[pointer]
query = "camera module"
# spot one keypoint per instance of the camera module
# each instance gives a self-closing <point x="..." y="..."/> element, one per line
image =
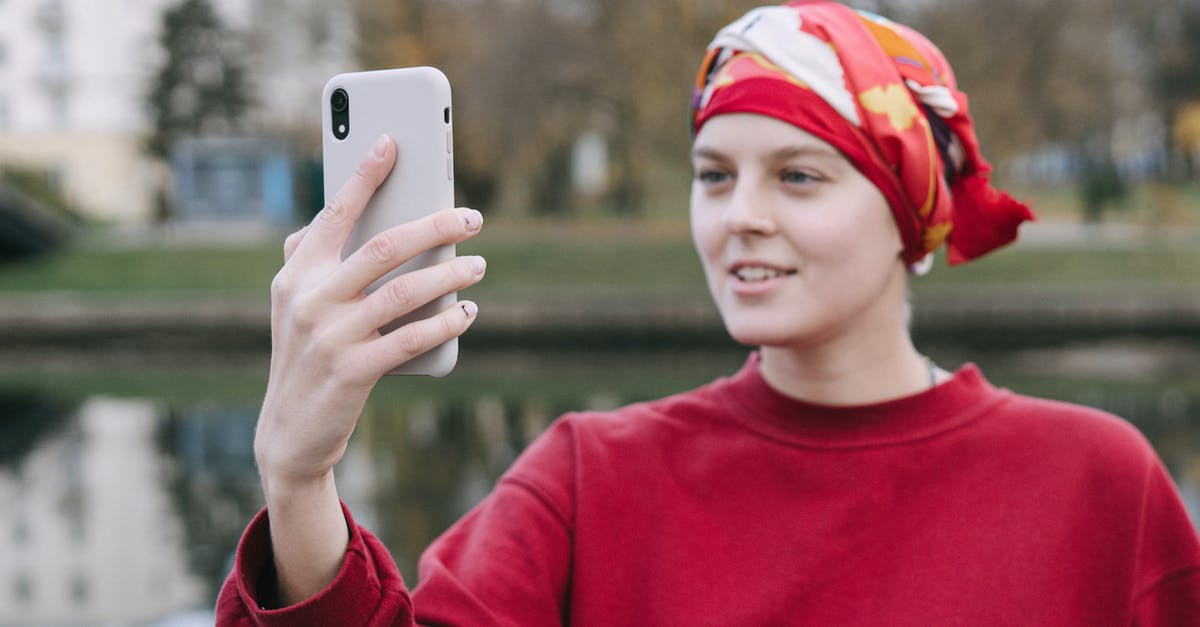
<point x="339" y="110"/>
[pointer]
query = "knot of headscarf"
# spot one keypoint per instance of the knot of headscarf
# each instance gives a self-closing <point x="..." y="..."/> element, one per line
<point x="883" y="95"/>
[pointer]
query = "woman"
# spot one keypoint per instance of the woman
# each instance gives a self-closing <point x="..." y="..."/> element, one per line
<point x="838" y="479"/>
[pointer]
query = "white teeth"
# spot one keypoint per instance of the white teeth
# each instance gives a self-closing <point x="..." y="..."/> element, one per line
<point x="757" y="273"/>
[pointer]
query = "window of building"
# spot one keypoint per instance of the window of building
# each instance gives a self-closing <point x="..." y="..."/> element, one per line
<point x="23" y="589"/>
<point x="80" y="590"/>
<point x="50" y="14"/>
<point x="20" y="532"/>
<point x="56" y="49"/>
<point x="56" y="99"/>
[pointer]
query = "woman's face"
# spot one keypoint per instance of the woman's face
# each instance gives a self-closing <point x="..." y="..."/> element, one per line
<point x="797" y="246"/>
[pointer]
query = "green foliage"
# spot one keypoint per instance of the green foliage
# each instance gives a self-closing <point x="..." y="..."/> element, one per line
<point x="202" y="85"/>
<point x="1101" y="187"/>
<point x="34" y="217"/>
<point x="37" y="187"/>
<point x="156" y="269"/>
<point x="1176" y="42"/>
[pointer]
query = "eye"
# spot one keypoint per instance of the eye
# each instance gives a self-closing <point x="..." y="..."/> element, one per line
<point x="712" y="176"/>
<point x="797" y="177"/>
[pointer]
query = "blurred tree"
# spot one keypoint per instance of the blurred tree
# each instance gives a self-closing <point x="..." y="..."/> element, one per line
<point x="36" y="186"/>
<point x="1172" y="33"/>
<point x="531" y="77"/>
<point x="201" y="86"/>
<point x="28" y="228"/>
<point x="645" y="80"/>
<point x="516" y="70"/>
<point x="1101" y="187"/>
<point x="34" y="216"/>
<point x="1036" y="71"/>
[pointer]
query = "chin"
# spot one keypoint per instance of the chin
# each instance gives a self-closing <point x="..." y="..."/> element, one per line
<point x="755" y="333"/>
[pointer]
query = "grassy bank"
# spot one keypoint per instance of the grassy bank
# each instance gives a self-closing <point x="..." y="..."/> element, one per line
<point x="564" y="261"/>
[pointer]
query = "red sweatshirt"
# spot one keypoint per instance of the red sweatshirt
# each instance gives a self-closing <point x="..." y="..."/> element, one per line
<point x="735" y="505"/>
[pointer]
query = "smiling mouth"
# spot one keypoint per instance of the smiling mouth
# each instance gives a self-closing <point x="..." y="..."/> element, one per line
<point x="754" y="274"/>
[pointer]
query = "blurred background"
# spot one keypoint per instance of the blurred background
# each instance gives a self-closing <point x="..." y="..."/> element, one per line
<point x="153" y="154"/>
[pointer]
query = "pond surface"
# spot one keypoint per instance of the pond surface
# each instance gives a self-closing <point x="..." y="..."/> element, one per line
<point x="128" y="479"/>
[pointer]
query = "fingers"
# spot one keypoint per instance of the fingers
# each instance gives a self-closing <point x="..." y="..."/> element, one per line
<point x="418" y="337"/>
<point x="407" y="292"/>
<point x="330" y="230"/>
<point x="393" y="247"/>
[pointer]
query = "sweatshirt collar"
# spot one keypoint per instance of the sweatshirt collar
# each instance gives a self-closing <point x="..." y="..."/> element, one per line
<point x="953" y="403"/>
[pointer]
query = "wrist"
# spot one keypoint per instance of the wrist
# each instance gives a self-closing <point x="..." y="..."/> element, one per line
<point x="309" y="535"/>
<point x="282" y="470"/>
<point x="282" y="488"/>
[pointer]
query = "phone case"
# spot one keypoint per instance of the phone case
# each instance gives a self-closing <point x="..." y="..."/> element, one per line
<point x="412" y="105"/>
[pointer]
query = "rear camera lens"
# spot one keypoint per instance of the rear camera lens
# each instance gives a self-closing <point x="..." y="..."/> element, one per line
<point x="339" y="100"/>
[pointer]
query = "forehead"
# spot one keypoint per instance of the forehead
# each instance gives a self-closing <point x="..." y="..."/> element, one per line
<point x="740" y="135"/>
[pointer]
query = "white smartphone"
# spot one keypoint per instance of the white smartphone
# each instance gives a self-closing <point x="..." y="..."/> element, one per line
<point x="412" y="105"/>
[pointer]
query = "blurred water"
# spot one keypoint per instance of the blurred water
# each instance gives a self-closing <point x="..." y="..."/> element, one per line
<point x="127" y="483"/>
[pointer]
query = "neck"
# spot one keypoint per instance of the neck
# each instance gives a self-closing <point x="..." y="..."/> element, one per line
<point x="871" y="370"/>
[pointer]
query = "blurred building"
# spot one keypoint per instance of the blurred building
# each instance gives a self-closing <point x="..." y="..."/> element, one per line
<point x="232" y="180"/>
<point x="74" y="74"/>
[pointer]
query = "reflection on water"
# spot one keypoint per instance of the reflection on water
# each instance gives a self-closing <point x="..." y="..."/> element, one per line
<point x="127" y="487"/>
<point x="90" y="531"/>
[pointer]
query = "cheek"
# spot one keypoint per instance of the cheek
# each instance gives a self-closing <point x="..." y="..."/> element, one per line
<point x="824" y="238"/>
<point x="862" y="231"/>
<point x="706" y="231"/>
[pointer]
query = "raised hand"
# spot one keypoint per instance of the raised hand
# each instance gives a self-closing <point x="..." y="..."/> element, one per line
<point x="327" y="355"/>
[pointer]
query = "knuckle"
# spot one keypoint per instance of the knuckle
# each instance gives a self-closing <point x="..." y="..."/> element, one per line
<point x="282" y="285"/>
<point x="335" y="210"/>
<point x="305" y="313"/>
<point x="401" y="292"/>
<point x="366" y="173"/>
<point x="380" y="249"/>
<point x="410" y="340"/>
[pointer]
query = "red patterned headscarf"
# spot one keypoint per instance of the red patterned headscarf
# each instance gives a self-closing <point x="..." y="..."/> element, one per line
<point x="885" y="97"/>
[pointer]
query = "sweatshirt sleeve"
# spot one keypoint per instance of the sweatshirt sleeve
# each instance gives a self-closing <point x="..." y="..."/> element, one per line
<point x="367" y="590"/>
<point x="1169" y="559"/>
<point x="507" y="562"/>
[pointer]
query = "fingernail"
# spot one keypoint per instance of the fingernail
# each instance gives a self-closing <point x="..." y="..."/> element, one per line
<point x="472" y="219"/>
<point x="379" y="148"/>
<point x="469" y="308"/>
<point x="478" y="264"/>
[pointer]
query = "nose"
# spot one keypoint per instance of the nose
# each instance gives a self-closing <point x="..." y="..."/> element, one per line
<point x="748" y="212"/>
